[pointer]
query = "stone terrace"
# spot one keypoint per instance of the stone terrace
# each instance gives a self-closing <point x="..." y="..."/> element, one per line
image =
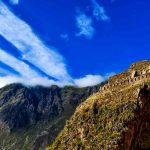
<point x="138" y="73"/>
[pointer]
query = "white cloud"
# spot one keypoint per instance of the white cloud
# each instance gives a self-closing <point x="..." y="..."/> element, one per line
<point x="91" y="80"/>
<point x="17" y="65"/>
<point x="33" y="49"/>
<point x="85" y="26"/>
<point x="14" y="2"/>
<point x="27" y="75"/>
<point x="99" y="12"/>
<point x="9" y="79"/>
<point x="30" y="77"/>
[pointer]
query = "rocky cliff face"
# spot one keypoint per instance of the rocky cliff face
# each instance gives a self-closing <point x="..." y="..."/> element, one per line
<point x="138" y="134"/>
<point x="31" y="117"/>
<point x="115" y="118"/>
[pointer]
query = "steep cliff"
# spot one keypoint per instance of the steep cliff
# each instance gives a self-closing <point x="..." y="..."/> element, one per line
<point x="31" y="117"/>
<point x="117" y="117"/>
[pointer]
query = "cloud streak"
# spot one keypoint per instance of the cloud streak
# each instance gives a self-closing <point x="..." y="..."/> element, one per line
<point x="31" y="47"/>
<point x="99" y="12"/>
<point x="85" y="26"/>
<point x="17" y="65"/>
<point x="27" y="75"/>
<point x="33" y="50"/>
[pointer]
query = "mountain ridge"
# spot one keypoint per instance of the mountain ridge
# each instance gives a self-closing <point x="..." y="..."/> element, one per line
<point x="113" y="117"/>
<point x="35" y="115"/>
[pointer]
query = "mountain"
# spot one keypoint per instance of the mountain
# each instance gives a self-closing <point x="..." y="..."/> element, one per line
<point x="32" y="117"/>
<point x="115" y="118"/>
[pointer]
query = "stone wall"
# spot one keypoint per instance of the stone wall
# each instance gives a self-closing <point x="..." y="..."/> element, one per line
<point x="137" y="73"/>
<point x="126" y="81"/>
<point x="142" y="65"/>
<point x="137" y="69"/>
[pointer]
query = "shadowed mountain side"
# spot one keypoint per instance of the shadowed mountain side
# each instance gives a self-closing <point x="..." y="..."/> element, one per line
<point x="34" y="116"/>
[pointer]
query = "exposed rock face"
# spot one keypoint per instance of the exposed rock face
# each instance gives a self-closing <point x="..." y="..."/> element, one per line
<point x="115" y="118"/>
<point x="34" y="116"/>
<point x="138" y="134"/>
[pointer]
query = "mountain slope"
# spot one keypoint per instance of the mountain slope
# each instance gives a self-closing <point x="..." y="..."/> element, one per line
<point x="117" y="117"/>
<point x="31" y="117"/>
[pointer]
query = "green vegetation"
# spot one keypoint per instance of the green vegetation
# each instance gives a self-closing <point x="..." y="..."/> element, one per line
<point x="99" y="122"/>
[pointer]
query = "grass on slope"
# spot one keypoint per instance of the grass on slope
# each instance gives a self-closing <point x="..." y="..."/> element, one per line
<point x="99" y="122"/>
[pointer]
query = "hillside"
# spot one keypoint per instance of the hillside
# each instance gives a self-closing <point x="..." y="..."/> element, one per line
<point x="31" y="117"/>
<point x="115" y="118"/>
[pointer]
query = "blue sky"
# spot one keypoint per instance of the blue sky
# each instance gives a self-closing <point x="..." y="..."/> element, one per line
<point x="71" y="42"/>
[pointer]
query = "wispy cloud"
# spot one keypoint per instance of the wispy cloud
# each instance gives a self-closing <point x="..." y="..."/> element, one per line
<point x="99" y="12"/>
<point x="14" y="2"/>
<point x="17" y="65"/>
<point x="34" y="51"/>
<point x="85" y="26"/>
<point x="32" y="48"/>
<point x="9" y="79"/>
<point x="91" y="80"/>
<point x="27" y="75"/>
